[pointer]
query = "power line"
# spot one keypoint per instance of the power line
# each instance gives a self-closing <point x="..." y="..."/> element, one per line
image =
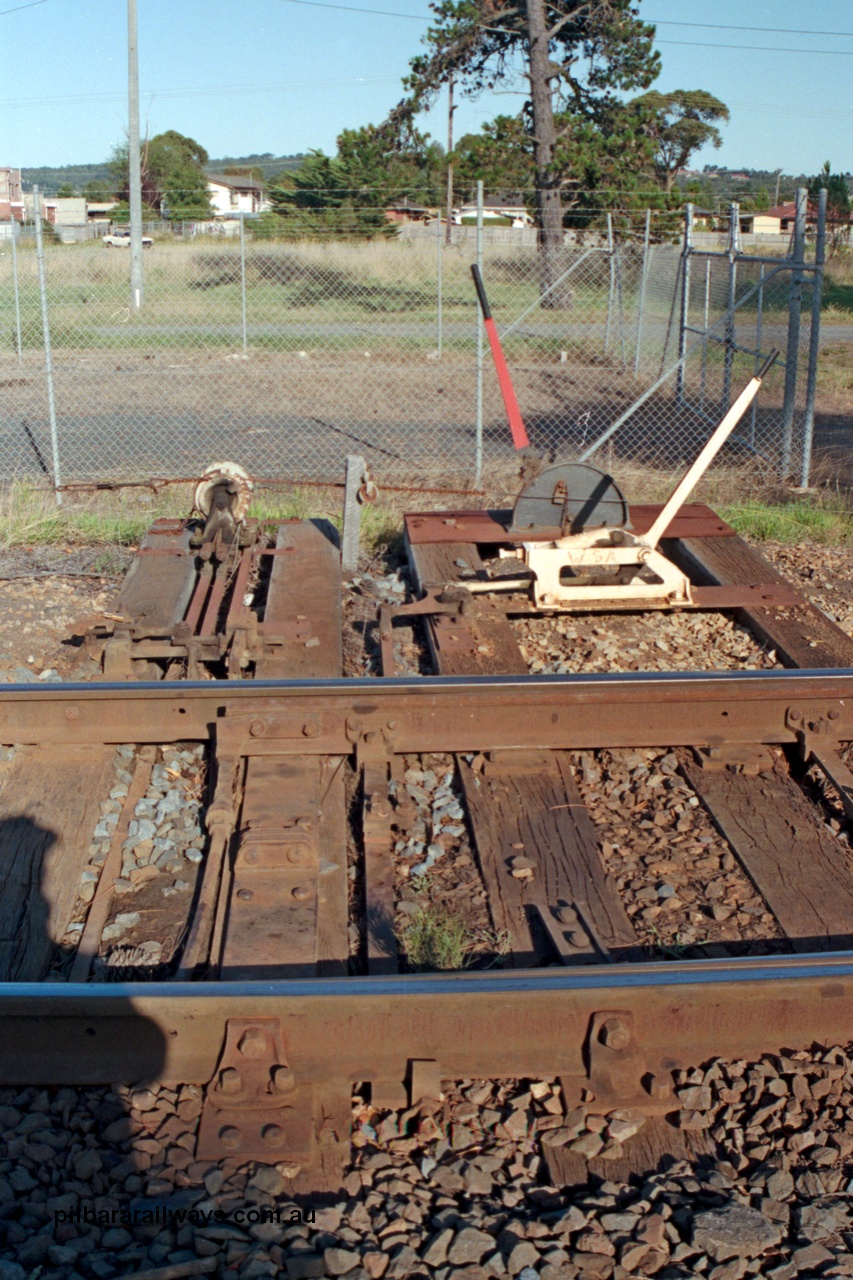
<point x="750" y="48"/>
<point x="728" y="26"/>
<point x="32" y="4"/>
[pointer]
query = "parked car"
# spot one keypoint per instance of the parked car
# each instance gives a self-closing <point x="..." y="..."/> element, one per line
<point x="120" y="239"/>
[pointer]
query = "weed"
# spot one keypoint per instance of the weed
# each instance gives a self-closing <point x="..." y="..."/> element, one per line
<point x="829" y="522"/>
<point x="435" y="939"/>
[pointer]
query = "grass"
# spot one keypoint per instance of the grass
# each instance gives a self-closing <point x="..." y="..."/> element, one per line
<point x="435" y="939"/>
<point x="828" y="522"/>
<point x="30" y="517"/>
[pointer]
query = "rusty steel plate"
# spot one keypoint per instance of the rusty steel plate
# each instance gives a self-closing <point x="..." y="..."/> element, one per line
<point x="694" y="520"/>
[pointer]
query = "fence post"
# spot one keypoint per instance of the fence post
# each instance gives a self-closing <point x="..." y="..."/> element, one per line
<point x="814" y="336"/>
<point x="728" y="361"/>
<point x="351" y="528"/>
<point x="705" y="319"/>
<point x="642" y="301"/>
<point x="795" y="304"/>
<point x="759" y="338"/>
<point x="478" y="446"/>
<point x="48" y="357"/>
<point x="611" y="289"/>
<point x="14" y="237"/>
<point x="439" y="285"/>
<point x="685" y="300"/>
<point x="243" y="282"/>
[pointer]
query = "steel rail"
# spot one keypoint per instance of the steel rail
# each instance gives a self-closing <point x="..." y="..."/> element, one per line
<point x="449" y="714"/>
<point x="487" y="1024"/>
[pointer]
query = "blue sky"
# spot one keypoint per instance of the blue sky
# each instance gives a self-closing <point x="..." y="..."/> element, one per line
<point x="281" y="76"/>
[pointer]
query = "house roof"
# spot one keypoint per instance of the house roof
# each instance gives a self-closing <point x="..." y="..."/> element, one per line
<point x="788" y="210"/>
<point x="234" y="182"/>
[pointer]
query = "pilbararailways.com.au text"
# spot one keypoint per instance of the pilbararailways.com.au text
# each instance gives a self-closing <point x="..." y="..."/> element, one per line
<point x="163" y="1215"/>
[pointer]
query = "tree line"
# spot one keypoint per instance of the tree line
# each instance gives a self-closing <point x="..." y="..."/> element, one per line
<point x="578" y="148"/>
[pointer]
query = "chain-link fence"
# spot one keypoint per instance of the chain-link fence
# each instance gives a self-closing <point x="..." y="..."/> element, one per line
<point x="288" y="356"/>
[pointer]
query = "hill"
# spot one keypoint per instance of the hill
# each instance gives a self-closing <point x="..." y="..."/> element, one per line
<point x="51" y="178"/>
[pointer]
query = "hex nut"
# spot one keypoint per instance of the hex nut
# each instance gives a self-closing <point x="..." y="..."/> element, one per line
<point x="253" y="1043"/>
<point x="615" y="1034"/>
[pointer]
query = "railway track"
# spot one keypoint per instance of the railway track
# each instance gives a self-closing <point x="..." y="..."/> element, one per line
<point x="266" y="815"/>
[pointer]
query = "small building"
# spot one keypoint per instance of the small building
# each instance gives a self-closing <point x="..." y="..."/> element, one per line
<point x="100" y="210"/>
<point x="11" y="195"/>
<point x="403" y="212"/>
<point x="510" y="208"/>
<point x="231" y="194"/>
<point x="64" y="211"/>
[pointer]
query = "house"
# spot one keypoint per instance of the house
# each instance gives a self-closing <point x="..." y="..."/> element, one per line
<point x="403" y="212"/>
<point x="100" y="210"/>
<point x="511" y="208"/>
<point x="231" y="194"/>
<point x="11" y="195"/>
<point x="64" y="211"/>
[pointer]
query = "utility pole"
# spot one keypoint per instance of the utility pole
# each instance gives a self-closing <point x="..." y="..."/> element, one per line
<point x="133" y="159"/>
<point x="776" y="200"/>
<point x="450" y="110"/>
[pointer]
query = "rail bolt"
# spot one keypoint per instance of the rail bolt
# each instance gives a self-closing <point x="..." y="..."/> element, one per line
<point x="795" y="714"/>
<point x="297" y="853"/>
<point x="231" y="1137"/>
<point x="310" y="729"/>
<point x="72" y="713"/>
<point x="257" y="728"/>
<point x="833" y="713"/>
<point x="245" y="895"/>
<point x="230" y="1081"/>
<point x="615" y="1034"/>
<point x="283" y="1079"/>
<point x="272" y="1135"/>
<point x="253" y="1043"/>
<point x="301" y="893"/>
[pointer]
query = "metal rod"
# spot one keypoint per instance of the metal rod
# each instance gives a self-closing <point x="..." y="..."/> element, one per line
<point x="611" y="285"/>
<point x="623" y="418"/>
<point x="620" y="301"/>
<point x="731" y="336"/>
<point x="643" y="277"/>
<point x="684" y="318"/>
<point x="544" y="294"/>
<point x="759" y="327"/>
<point x="814" y="337"/>
<point x="795" y="304"/>
<point x="703" y="461"/>
<point x="14" y="237"/>
<point x="438" y="286"/>
<point x="450" y="110"/>
<point x="705" y="318"/>
<point x="48" y="356"/>
<point x="478" y="444"/>
<point x="243" y="282"/>
<point x="133" y="159"/>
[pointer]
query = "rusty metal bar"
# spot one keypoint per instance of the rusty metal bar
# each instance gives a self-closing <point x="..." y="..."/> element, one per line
<point x="368" y="1028"/>
<point x="329" y="717"/>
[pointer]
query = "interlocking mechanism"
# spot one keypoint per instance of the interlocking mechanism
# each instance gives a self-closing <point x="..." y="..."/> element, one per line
<point x="581" y="553"/>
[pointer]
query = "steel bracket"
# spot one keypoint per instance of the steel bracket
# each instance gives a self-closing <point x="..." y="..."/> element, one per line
<point x="253" y="1109"/>
<point x="373" y="737"/>
<point x="810" y="721"/>
<point x="267" y="848"/>
<point x="618" y="1073"/>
